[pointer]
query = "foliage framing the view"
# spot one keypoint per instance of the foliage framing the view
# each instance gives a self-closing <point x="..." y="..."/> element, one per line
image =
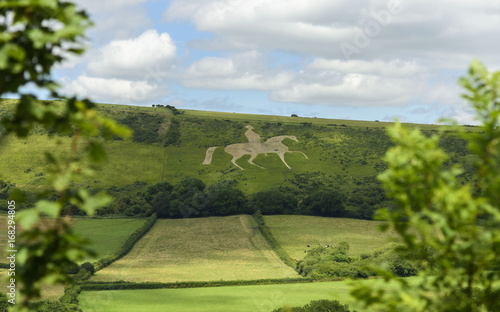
<point x="452" y="229"/>
<point x="34" y="37"/>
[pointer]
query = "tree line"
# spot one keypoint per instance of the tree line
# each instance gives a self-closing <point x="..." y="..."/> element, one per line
<point x="191" y="198"/>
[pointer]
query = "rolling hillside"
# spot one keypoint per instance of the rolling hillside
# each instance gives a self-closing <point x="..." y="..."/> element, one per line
<point x="340" y="155"/>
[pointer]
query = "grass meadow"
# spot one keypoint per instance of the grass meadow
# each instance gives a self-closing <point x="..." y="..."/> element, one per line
<point x="294" y="233"/>
<point x="263" y="298"/>
<point x="203" y="249"/>
<point x="105" y="235"/>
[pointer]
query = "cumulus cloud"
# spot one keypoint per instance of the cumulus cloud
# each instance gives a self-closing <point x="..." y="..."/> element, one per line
<point x="318" y="28"/>
<point x="115" y="19"/>
<point x="354" y="82"/>
<point x="394" y="68"/>
<point x="406" y="54"/>
<point x="133" y="58"/>
<point x="242" y="71"/>
<point x="113" y="90"/>
<point x="134" y="70"/>
<point x="349" y="89"/>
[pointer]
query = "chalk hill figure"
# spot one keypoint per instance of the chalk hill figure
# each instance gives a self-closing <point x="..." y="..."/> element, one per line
<point x="254" y="147"/>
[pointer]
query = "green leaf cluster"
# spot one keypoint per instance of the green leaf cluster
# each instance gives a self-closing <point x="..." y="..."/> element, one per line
<point x="36" y="35"/>
<point x="453" y="229"/>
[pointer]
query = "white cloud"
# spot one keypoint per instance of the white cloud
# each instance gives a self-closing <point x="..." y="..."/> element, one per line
<point x="131" y="71"/>
<point x="322" y="81"/>
<point x="349" y="89"/>
<point x="243" y="71"/>
<point x="133" y="58"/>
<point x="354" y="82"/>
<point x="115" y="19"/>
<point x="113" y="90"/>
<point x="317" y="28"/>
<point x="394" y="68"/>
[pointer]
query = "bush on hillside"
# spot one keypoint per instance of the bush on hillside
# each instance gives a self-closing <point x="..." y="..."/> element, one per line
<point x="318" y="306"/>
<point x="334" y="262"/>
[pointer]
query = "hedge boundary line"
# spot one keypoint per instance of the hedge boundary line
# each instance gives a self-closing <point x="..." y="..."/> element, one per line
<point x="275" y="245"/>
<point x="127" y="246"/>
<point x="121" y="285"/>
<point x="71" y="292"/>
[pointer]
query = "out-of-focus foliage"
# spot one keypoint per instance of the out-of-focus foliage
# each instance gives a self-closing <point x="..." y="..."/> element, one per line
<point x="35" y="36"/>
<point x="453" y="229"/>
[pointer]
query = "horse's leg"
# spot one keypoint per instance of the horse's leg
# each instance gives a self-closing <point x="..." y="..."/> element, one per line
<point x="252" y="157"/>
<point x="236" y="157"/>
<point x="299" y="152"/>
<point x="282" y="156"/>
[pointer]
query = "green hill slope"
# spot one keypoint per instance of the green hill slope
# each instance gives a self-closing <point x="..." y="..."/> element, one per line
<point x="341" y="154"/>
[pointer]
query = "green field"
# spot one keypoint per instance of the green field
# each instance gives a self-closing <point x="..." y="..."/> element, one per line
<point x="264" y="298"/>
<point x="215" y="248"/>
<point x="105" y="235"/>
<point x="294" y="233"/>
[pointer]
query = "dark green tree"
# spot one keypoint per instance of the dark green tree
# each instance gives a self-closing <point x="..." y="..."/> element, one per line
<point x="328" y="203"/>
<point x="223" y="200"/>
<point x="275" y="201"/>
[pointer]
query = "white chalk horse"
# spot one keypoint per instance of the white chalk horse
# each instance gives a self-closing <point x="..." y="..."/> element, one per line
<point x="272" y="145"/>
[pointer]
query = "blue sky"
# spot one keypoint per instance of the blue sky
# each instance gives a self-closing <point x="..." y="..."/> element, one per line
<point x="368" y="60"/>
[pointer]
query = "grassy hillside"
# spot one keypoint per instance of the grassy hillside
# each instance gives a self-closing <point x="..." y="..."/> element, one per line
<point x="344" y="154"/>
<point x="264" y="298"/>
<point x="294" y="233"/>
<point x="215" y="248"/>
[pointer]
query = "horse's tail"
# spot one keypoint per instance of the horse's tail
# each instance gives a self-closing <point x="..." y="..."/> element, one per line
<point x="208" y="157"/>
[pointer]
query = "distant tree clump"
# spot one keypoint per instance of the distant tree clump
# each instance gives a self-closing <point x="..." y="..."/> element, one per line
<point x="279" y="200"/>
<point x="328" y="203"/>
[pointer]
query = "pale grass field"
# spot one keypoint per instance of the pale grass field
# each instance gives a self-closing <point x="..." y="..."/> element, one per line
<point x="204" y="249"/>
<point x="294" y="233"/>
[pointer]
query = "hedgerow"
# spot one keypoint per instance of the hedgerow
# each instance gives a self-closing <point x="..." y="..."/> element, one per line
<point x="121" y="285"/>
<point x="127" y="246"/>
<point x="275" y="245"/>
